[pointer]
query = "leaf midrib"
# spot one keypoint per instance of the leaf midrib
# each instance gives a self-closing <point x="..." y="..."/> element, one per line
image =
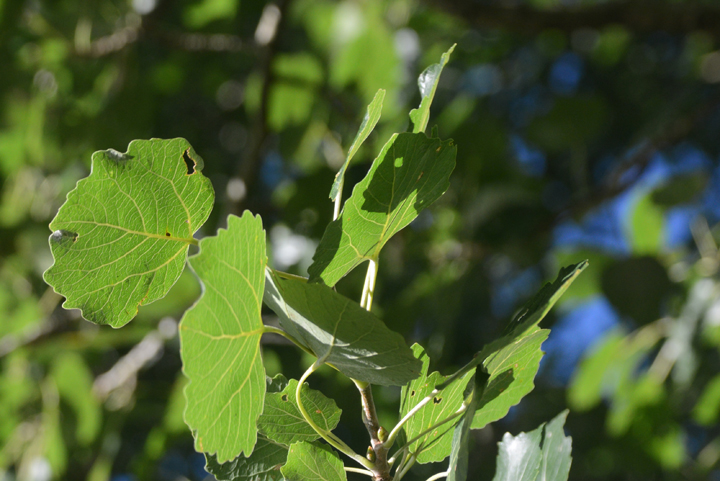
<point x="134" y="232"/>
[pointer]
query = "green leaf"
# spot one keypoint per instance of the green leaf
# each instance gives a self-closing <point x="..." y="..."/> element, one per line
<point x="647" y="225"/>
<point x="556" y="450"/>
<point x="282" y="421"/>
<point x="459" y="454"/>
<point x="427" y="82"/>
<point x="411" y="172"/>
<point x="437" y="444"/>
<point x="681" y="189"/>
<point x="368" y="124"/>
<point x="263" y="464"/>
<point x="290" y="102"/>
<point x="74" y="382"/>
<point x="121" y="238"/>
<point x="308" y="462"/>
<point x="707" y="409"/>
<point x="340" y="332"/>
<point x="519" y="457"/>
<point x="540" y="455"/>
<point x="586" y="388"/>
<point x="512" y="371"/>
<point x="527" y="317"/>
<point x="612" y="368"/>
<point x="200" y="14"/>
<point x="220" y="340"/>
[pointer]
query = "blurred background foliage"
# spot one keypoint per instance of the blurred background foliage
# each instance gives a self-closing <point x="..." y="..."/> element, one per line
<point x="586" y="129"/>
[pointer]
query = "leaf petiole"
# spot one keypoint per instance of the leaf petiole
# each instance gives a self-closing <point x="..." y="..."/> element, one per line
<point x="358" y="470"/>
<point x="453" y="416"/>
<point x="405" y="467"/>
<point x="328" y="436"/>
<point x="434" y="477"/>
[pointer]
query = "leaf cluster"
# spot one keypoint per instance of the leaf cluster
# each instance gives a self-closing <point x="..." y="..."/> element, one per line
<point x="121" y="241"/>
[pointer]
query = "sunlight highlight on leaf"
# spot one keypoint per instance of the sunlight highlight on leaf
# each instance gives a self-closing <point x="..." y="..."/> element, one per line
<point x="121" y="238"/>
<point x="220" y="340"/>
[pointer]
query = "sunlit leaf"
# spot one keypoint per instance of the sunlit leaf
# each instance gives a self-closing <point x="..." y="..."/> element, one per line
<point x="340" y="332"/>
<point x="556" y="450"/>
<point x="435" y="445"/>
<point x="282" y="421"/>
<point x="121" y="238"/>
<point x="512" y="371"/>
<point x="540" y="455"/>
<point x="220" y="340"/>
<point x="308" y="462"/>
<point x="368" y="124"/>
<point x="427" y="82"/>
<point x="519" y="457"/>
<point x="411" y="172"/>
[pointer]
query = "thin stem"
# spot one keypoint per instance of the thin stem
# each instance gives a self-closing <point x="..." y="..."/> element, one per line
<point x="280" y="332"/>
<point x="358" y="470"/>
<point x="405" y="467"/>
<point x="457" y="413"/>
<point x="396" y="430"/>
<point x="369" y="288"/>
<point x="437" y="476"/>
<point x="328" y="436"/>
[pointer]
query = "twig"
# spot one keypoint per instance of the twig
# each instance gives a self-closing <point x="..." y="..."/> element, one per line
<point x="328" y="436"/>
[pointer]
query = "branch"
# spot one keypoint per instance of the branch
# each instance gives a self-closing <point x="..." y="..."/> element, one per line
<point x="641" y="16"/>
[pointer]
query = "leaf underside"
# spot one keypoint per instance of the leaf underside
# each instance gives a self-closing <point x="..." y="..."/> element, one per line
<point x="282" y="421"/>
<point x="309" y="462"/>
<point x="436" y="445"/>
<point x="220" y="340"/>
<point x="411" y="172"/>
<point x="340" y="332"/>
<point x="512" y="371"/>
<point x="122" y="236"/>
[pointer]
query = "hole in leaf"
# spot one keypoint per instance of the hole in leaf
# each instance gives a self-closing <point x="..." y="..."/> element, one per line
<point x="437" y="400"/>
<point x="167" y="234"/>
<point x="412" y="393"/>
<point x="284" y="397"/>
<point x="189" y="163"/>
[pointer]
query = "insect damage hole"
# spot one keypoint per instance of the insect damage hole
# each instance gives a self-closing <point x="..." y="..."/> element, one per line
<point x="189" y="163"/>
<point x="284" y="397"/>
<point x="437" y="400"/>
<point x="167" y="234"/>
